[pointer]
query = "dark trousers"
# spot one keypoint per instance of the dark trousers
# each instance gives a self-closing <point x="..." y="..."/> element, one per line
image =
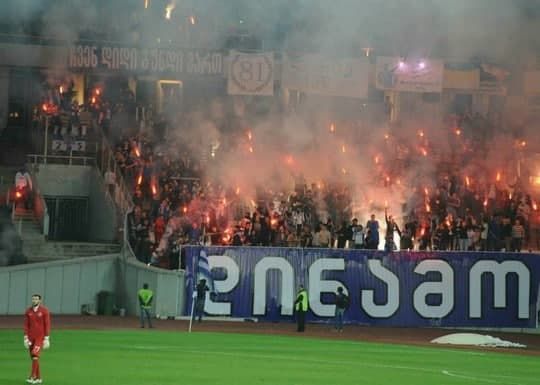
<point x="199" y="309"/>
<point x="300" y="321"/>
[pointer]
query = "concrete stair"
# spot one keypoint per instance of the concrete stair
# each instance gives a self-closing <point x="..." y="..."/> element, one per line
<point x="36" y="248"/>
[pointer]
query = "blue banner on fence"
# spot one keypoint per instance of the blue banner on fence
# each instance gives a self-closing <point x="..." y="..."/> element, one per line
<point x="390" y="289"/>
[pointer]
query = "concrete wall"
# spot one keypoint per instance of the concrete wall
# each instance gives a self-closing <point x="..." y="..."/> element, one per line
<point x="67" y="285"/>
<point x="168" y="286"/>
<point x="64" y="285"/>
<point x="102" y="214"/>
<point x="81" y="181"/>
<point x="64" y="180"/>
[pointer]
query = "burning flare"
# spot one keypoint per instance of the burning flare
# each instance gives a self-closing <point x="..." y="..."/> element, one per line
<point x="168" y="10"/>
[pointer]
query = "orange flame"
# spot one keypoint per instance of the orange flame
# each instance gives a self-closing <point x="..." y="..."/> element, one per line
<point x="289" y="159"/>
<point x="93" y="100"/>
<point x="467" y="181"/>
<point x="386" y="136"/>
<point x="485" y="202"/>
<point x="154" y="189"/>
<point x="98" y="91"/>
<point x="377" y="159"/>
<point x="61" y="89"/>
<point x="498" y="177"/>
<point x="421" y="133"/>
<point x="535" y="206"/>
<point x="332" y="127"/>
<point x="184" y="209"/>
<point x="237" y="190"/>
<point x="251" y="149"/>
<point x="139" y="180"/>
<point x="137" y="152"/>
<point x="523" y="143"/>
<point x="424" y="152"/>
<point x="249" y="135"/>
<point x="387" y="179"/>
<point x="428" y="208"/>
<point x="18" y="195"/>
<point x="343" y="149"/>
<point x="422" y="232"/>
<point x="426" y="191"/>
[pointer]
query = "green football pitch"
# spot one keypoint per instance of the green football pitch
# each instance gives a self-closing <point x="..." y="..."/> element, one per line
<point x="152" y="357"/>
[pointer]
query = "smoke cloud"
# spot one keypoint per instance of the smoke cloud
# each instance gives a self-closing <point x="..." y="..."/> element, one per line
<point x="286" y="146"/>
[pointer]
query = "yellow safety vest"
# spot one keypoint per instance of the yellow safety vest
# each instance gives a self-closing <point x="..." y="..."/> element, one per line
<point x="303" y="304"/>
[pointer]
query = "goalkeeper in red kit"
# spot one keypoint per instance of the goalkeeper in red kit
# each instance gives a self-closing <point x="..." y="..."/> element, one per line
<point x="37" y="324"/>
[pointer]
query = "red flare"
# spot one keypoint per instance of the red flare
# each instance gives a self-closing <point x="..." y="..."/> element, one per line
<point x="467" y="181"/>
<point x="137" y="152"/>
<point x="485" y="202"/>
<point x="249" y="135"/>
<point x="184" y="209"/>
<point x="332" y="127"/>
<point x="154" y="189"/>
<point x="61" y="89"/>
<point x="498" y="177"/>
<point x="237" y="190"/>
<point x="139" y="180"/>
<point x="428" y="208"/>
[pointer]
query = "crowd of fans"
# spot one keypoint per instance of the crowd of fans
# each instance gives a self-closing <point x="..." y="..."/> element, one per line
<point x="177" y="203"/>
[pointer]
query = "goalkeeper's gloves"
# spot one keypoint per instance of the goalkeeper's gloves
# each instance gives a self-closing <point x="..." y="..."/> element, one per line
<point x="46" y="343"/>
<point x="26" y="342"/>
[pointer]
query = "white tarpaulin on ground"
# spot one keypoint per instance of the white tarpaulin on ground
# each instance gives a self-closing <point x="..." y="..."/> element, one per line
<point x="317" y="74"/>
<point x="476" y="340"/>
<point x="251" y="73"/>
<point x="395" y="74"/>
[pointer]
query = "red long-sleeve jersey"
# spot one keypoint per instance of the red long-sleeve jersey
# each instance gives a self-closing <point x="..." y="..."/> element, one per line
<point x="37" y="323"/>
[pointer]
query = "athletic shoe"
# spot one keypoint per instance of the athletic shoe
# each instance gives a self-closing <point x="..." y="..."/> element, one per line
<point x="30" y="380"/>
<point x="37" y="381"/>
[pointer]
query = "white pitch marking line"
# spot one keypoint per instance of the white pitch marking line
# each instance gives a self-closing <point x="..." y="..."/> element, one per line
<point x="477" y="379"/>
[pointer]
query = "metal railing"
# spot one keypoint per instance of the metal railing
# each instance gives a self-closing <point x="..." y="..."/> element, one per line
<point x="35" y="159"/>
<point x="106" y="162"/>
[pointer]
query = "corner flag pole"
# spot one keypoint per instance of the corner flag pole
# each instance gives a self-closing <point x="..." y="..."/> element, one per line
<point x="191" y="316"/>
<point x="192" y="309"/>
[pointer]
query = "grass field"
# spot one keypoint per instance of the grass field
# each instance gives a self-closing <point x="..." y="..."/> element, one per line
<point x="160" y="358"/>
